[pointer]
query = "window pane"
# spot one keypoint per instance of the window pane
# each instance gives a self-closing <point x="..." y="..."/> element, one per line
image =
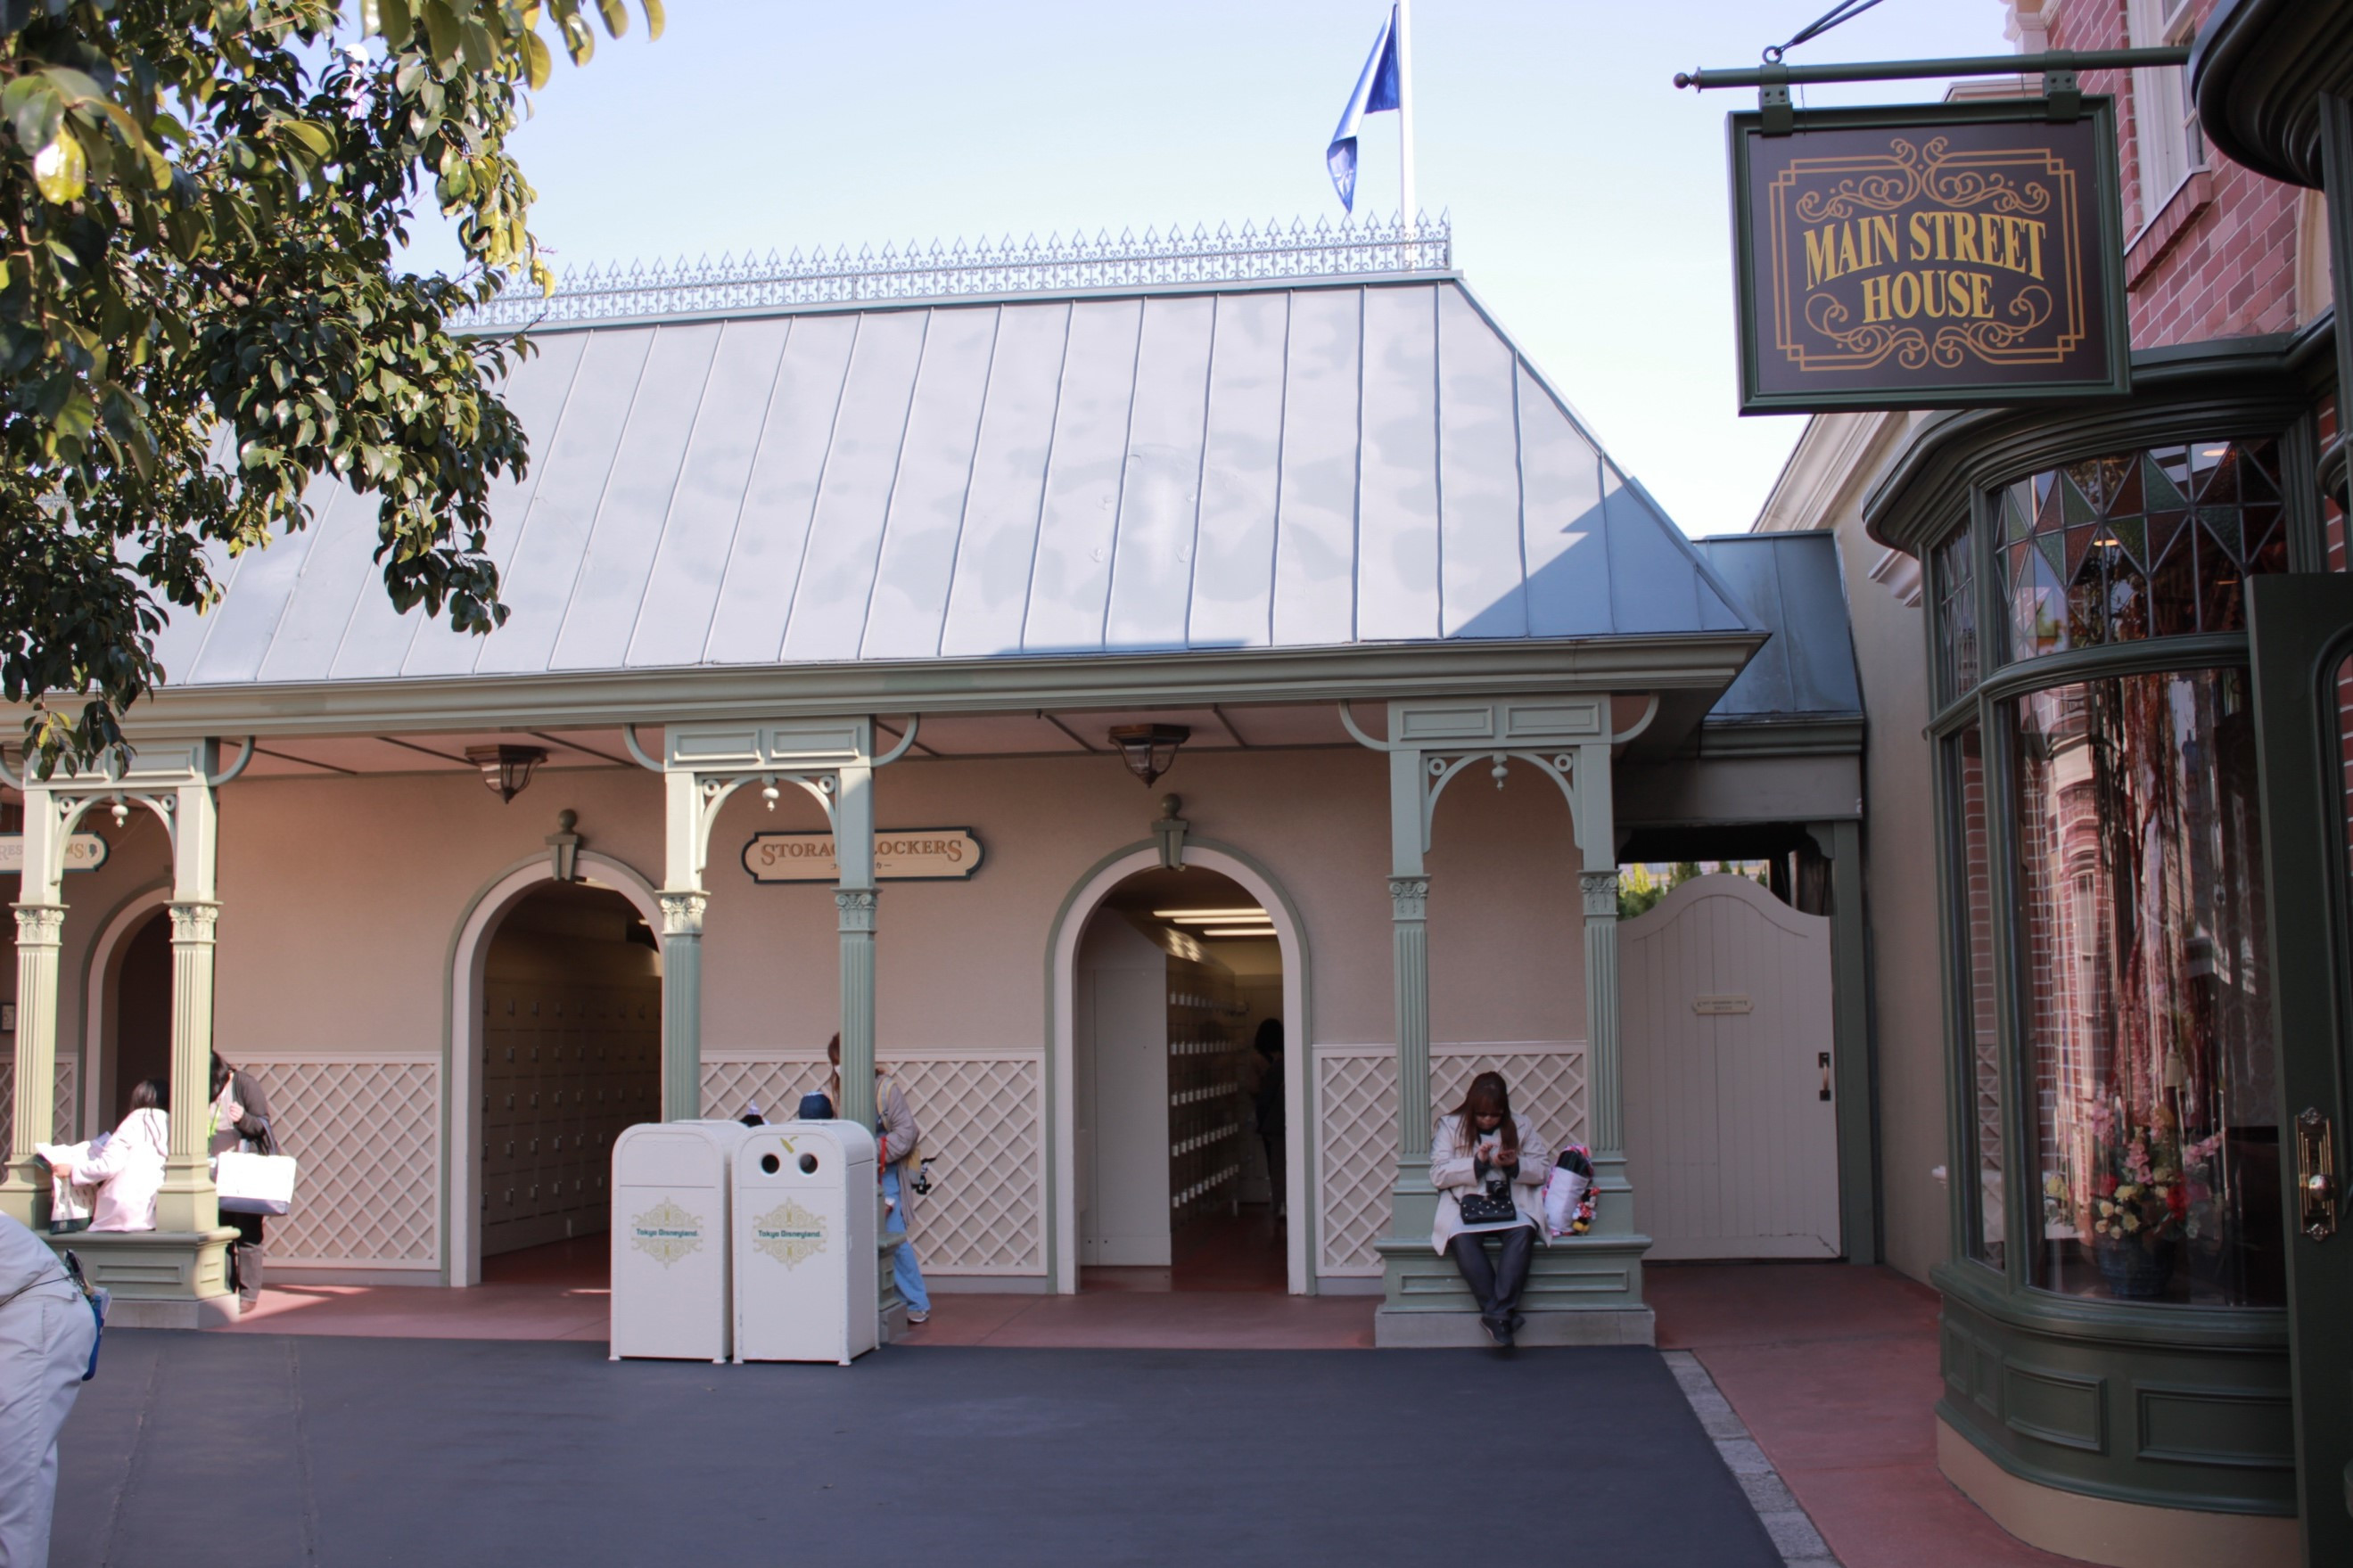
<point x="1956" y="615"/>
<point x="2150" y="1070"/>
<point x="1985" y="1227"/>
<point x="2148" y="544"/>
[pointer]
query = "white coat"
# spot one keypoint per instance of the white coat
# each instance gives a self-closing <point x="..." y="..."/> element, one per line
<point x="1453" y="1172"/>
<point x="129" y="1172"/>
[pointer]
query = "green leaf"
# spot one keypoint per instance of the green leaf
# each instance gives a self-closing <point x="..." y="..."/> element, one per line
<point x="74" y="85"/>
<point x="655" y="19"/>
<point x="538" y="64"/>
<point x="312" y="136"/>
<point x="616" y="17"/>
<point x="441" y="31"/>
<point x="33" y="105"/>
<point x="391" y="20"/>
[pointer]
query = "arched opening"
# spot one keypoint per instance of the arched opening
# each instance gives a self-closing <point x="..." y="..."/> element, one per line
<point x="1181" y="1124"/>
<point x="137" y="1043"/>
<point x="568" y="1054"/>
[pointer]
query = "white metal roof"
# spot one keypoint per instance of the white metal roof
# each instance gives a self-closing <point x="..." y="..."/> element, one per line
<point x="1235" y="466"/>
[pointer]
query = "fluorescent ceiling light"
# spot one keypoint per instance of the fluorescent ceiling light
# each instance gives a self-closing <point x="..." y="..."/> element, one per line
<point x="1238" y="930"/>
<point x="1197" y="917"/>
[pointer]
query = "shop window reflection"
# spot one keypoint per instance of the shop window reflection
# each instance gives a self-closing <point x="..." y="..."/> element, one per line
<point x="2149" y="544"/>
<point x="1956" y="615"/>
<point x="2150" y="1066"/>
<point x="1985" y="1224"/>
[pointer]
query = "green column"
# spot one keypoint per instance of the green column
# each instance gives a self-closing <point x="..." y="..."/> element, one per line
<point x="187" y="1202"/>
<point x="1410" y="941"/>
<point x="40" y="928"/>
<point x="682" y="950"/>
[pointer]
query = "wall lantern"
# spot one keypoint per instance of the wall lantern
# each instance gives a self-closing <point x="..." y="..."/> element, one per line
<point x="506" y="769"/>
<point x="1149" y="749"/>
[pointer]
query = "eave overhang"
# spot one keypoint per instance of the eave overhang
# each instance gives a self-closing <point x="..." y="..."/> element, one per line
<point x="2257" y="72"/>
<point x="1689" y="670"/>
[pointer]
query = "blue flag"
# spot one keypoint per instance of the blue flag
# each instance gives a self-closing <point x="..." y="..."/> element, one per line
<point x="1377" y="88"/>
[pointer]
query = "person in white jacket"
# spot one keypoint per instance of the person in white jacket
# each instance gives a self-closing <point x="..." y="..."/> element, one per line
<point x="45" y="1329"/>
<point x="1480" y="1147"/>
<point x="129" y="1172"/>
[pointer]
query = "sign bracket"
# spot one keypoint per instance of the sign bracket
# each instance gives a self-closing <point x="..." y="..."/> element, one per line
<point x="2059" y="62"/>
<point x="2063" y="99"/>
<point x="1773" y="105"/>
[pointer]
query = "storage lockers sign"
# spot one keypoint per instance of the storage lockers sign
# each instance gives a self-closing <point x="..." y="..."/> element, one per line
<point x="1928" y="257"/>
<point x="911" y="855"/>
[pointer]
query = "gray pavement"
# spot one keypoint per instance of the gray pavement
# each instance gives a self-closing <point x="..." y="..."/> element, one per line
<point x="253" y="1451"/>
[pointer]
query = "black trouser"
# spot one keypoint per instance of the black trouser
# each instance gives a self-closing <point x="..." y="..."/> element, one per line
<point x="1498" y="1288"/>
<point x="245" y="1254"/>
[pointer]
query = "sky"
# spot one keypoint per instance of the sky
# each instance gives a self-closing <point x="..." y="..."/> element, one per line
<point x="1587" y="195"/>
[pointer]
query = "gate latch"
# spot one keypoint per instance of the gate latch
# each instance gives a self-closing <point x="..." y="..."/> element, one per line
<point x="2316" y="1175"/>
<point x="1824" y="1058"/>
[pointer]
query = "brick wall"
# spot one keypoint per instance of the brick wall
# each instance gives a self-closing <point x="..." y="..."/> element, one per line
<point x="2217" y="259"/>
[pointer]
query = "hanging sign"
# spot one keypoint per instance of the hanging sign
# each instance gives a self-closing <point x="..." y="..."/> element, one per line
<point x="1930" y="256"/>
<point x="84" y="852"/>
<point x="909" y="854"/>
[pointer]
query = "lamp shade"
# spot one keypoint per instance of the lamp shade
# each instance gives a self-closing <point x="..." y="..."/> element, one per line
<point x="506" y="769"/>
<point x="1149" y="749"/>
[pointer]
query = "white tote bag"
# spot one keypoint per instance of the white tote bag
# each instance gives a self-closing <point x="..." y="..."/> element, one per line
<point x="254" y="1183"/>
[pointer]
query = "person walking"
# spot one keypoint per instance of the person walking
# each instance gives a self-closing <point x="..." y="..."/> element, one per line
<point x="1489" y="1166"/>
<point x="129" y="1172"/>
<point x="46" y="1331"/>
<point x="1269" y="1106"/>
<point x="897" y="1142"/>
<point x="240" y="1120"/>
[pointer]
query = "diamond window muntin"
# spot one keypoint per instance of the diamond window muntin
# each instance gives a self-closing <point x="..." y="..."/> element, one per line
<point x="2151" y="543"/>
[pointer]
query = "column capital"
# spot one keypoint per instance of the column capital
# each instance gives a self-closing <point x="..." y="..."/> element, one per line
<point x="855" y="906"/>
<point x="1409" y="897"/>
<point x="681" y="911"/>
<point x="194" y="921"/>
<point x="1601" y="894"/>
<point x="39" y="925"/>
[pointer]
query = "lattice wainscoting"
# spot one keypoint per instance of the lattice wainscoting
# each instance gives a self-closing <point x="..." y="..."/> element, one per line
<point x="65" y="1121"/>
<point x="1356" y="1121"/>
<point x="729" y="1084"/>
<point x="983" y="1117"/>
<point x="983" y="1120"/>
<point x="367" y="1132"/>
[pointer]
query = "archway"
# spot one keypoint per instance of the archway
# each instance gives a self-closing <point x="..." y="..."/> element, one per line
<point x="1173" y="1124"/>
<point x="129" y="991"/>
<point x="554" y="1046"/>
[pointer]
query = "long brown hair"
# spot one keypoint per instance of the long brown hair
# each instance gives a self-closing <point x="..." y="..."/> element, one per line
<point x="1488" y="1096"/>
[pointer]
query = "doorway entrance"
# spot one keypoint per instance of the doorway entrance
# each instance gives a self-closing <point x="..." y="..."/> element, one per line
<point x="1179" y="1065"/>
<point x="138" y="1041"/>
<point x="570" y="1055"/>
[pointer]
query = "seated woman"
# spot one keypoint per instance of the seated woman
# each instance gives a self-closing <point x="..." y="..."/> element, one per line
<point x="1482" y="1151"/>
<point x="129" y="1172"/>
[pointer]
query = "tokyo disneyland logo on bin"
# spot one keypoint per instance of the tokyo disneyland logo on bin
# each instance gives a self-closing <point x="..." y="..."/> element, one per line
<point x="789" y="1233"/>
<point x="666" y="1233"/>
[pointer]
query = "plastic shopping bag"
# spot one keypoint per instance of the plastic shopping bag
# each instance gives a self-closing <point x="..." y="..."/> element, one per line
<point x="254" y="1183"/>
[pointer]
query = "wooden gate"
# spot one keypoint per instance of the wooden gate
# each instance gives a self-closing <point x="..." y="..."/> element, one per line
<point x="1731" y="1137"/>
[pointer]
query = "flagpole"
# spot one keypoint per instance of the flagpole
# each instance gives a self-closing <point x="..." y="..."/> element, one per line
<point x="1405" y="112"/>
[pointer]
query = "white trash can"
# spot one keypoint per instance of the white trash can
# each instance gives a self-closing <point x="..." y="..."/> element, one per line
<point x="808" y="1287"/>
<point x="671" y="1254"/>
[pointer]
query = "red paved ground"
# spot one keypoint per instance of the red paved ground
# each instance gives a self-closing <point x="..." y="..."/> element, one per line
<point x="1834" y="1370"/>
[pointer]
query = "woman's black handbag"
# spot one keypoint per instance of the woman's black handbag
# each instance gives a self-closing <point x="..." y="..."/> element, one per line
<point x="1493" y="1207"/>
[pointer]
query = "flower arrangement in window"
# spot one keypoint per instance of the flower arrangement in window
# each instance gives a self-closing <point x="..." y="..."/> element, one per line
<point x="2150" y="1191"/>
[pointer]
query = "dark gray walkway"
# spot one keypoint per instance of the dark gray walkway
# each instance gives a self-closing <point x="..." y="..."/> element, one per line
<point x="253" y="1452"/>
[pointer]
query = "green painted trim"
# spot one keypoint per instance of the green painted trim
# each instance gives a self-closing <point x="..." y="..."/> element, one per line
<point x="2152" y="656"/>
<point x="1840" y="736"/>
<point x="1853" y="1049"/>
<point x="2105" y="249"/>
<point x="2009" y="1376"/>
<point x="2093" y="1322"/>
<point x="1300" y="1041"/>
<point x="1701" y="662"/>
